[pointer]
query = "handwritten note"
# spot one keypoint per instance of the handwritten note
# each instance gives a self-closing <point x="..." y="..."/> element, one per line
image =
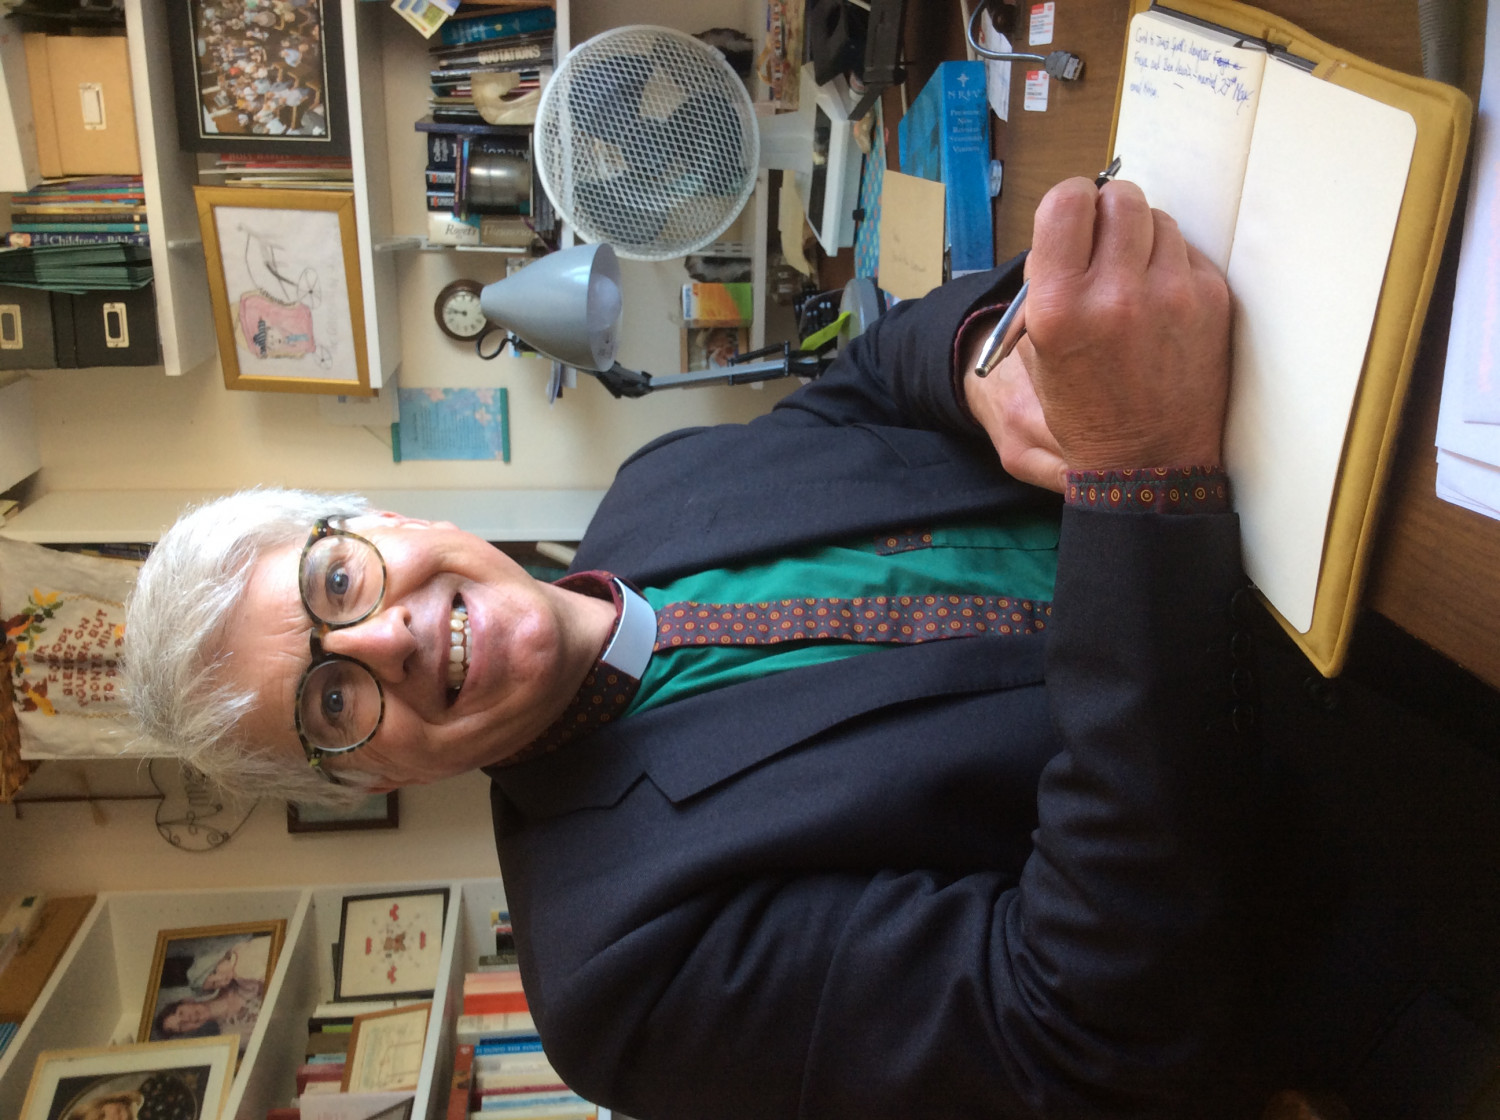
<point x="1186" y="116"/>
<point x="911" y="235"/>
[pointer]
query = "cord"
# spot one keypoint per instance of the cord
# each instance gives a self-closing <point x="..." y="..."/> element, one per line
<point x="1062" y="65"/>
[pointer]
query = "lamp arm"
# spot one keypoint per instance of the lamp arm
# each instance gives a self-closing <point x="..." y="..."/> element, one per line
<point x="622" y="382"/>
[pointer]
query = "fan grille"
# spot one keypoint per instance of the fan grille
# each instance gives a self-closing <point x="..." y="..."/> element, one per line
<point x="646" y="138"/>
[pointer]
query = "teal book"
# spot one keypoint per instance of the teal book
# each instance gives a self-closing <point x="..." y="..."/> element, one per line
<point x="498" y="25"/>
<point x="945" y="137"/>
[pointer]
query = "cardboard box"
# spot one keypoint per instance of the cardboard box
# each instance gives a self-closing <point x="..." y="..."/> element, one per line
<point x="81" y="98"/>
<point x="39" y="82"/>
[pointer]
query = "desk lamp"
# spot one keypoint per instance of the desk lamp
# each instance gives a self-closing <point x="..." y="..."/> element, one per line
<point x="567" y="306"/>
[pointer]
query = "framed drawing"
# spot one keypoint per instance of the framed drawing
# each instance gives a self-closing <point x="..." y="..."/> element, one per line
<point x="283" y="279"/>
<point x="390" y="945"/>
<point x="186" y="1080"/>
<point x="385" y="1050"/>
<point x="254" y="76"/>
<point x="379" y="810"/>
<point x="210" y="980"/>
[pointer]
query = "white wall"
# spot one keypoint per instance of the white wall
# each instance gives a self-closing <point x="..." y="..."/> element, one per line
<point x="62" y="849"/>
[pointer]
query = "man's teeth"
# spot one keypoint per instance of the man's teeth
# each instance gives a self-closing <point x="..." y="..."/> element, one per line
<point x="458" y="647"/>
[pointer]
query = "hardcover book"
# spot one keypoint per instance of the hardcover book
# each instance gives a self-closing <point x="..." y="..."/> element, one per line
<point x="945" y="137"/>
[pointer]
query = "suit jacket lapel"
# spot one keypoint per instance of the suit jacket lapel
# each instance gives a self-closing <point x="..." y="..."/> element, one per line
<point x="687" y="746"/>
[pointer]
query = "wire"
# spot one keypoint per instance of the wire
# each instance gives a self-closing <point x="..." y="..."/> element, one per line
<point x="1062" y="65"/>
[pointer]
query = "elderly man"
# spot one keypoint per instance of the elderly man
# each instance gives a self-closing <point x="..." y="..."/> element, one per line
<point x="849" y="776"/>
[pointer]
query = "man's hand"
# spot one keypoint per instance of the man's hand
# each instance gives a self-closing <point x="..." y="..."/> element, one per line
<point x="1127" y="335"/>
<point x="1006" y="406"/>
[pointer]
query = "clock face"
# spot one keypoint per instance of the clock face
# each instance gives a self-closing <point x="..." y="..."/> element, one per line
<point x="459" y="313"/>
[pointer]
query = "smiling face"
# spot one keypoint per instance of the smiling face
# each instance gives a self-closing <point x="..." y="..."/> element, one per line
<point x="529" y="645"/>
<point x="187" y="1016"/>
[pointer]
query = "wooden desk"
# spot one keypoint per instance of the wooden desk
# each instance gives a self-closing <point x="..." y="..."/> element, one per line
<point x="1435" y="571"/>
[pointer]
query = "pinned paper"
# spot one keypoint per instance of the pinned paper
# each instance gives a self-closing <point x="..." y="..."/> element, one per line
<point x="911" y="235"/>
<point x="1042" y="16"/>
<point x="996" y="74"/>
<point x="1036" y="91"/>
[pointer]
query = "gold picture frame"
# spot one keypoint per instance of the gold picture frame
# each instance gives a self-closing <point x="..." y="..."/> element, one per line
<point x="190" y="1078"/>
<point x="385" y="1049"/>
<point x="283" y="279"/>
<point x="223" y="970"/>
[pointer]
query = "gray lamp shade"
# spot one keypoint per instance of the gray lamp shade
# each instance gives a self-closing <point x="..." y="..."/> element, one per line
<point x="566" y="305"/>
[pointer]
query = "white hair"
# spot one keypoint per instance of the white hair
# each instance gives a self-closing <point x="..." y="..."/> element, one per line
<point x="188" y="591"/>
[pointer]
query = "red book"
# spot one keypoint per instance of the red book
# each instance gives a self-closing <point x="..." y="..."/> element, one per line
<point x="493" y="1003"/>
<point x="461" y="1093"/>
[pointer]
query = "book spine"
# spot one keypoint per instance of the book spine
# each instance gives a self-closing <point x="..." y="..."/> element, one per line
<point x="460" y="1093"/>
<point x="67" y="216"/>
<point x="479" y="29"/>
<point x="494" y="1003"/>
<point x="508" y="1046"/>
<point x="18" y="240"/>
<point x="80" y="227"/>
<point x="476" y="1028"/>
<point x="966" y="166"/>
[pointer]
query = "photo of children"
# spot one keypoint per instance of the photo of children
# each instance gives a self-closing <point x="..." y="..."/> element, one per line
<point x="261" y="68"/>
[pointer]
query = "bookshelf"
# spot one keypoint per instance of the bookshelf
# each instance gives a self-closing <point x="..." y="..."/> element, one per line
<point x="96" y="993"/>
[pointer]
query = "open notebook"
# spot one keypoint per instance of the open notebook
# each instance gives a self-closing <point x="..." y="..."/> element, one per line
<point x="1298" y="183"/>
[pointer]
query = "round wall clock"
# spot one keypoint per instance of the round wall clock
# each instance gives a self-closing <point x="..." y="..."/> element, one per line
<point x="458" y="312"/>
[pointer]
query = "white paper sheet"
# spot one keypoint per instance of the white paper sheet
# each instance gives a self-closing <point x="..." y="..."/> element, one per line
<point x="1186" y="114"/>
<point x="1323" y="187"/>
<point x="1469" y="416"/>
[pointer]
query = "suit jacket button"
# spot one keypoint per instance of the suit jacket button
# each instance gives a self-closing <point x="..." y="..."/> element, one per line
<point x="1242" y="605"/>
<point x="1323" y="693"/>
<point x="1240" y="644"/>
<point x="1242" y="718"/>
<point x="1242" y="683"/>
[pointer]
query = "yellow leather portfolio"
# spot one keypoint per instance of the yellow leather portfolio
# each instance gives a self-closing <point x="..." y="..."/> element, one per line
<point x="1322" y="184"/>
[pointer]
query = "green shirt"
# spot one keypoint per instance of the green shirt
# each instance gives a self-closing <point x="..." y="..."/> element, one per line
<point x="1018" y="558"/>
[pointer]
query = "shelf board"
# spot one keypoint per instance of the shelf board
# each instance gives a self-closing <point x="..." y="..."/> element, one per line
<point x="131" y="516"/>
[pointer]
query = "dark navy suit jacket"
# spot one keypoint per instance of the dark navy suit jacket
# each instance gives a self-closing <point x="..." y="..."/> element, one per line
<point x="1009" y="876"/>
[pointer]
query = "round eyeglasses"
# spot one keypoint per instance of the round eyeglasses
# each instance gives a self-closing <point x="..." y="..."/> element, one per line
<point x="341" y="578"/>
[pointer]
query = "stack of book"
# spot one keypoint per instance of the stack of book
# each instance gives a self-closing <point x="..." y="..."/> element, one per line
<point x="78" y="268"/>
<point x="325" y="1052"/>
<point x="284" y="172"/>
<point x="80" y="211"/>
<point x="500" y="1072"/>
<point x="516" y="46"/>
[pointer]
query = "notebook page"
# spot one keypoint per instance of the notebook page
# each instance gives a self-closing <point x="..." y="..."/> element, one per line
<point x="1323" y="186"/>
<point x="1187" y="109"/>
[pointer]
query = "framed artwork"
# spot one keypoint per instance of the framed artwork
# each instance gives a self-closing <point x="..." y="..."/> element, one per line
<point x="385" y="1050"/>
<point x="379" y="810"/>
<point x="390" y="945"/>
<point x="713" y="347"/>
<point x="259" y="76"/>
<point x="186" y="1080"/>
<point x="283" y="279"/>
<point x="210" y="980"/>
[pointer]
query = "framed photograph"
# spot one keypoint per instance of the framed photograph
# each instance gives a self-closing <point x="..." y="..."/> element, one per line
<point x="712" y="347"/>
<point x="186" y="1080"/>
<point x="385" y="1050"/>
<point x="390" y="945"/>
<point x="210" y="980"/>
<point x="379" y="810"/>
<point x="259" y="76"/>
<point x="283" y="279"/>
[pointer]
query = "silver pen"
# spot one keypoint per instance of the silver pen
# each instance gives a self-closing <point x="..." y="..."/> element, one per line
<point x="1012" y="325"/>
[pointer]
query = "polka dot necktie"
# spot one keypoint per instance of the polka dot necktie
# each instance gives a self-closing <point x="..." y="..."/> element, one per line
<point x="896" y="619"/>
